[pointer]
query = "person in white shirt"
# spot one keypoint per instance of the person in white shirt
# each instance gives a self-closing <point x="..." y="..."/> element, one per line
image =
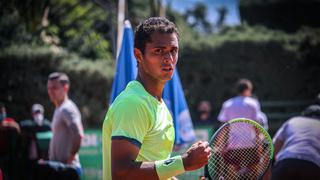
<point x="67" y="127"/>
<point x="241" y="106"/>
<point x="241" y="140"/>
<point x="67" y="133"/>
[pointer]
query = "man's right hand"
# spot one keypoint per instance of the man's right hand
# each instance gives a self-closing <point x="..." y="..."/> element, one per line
<point x="196" y="156"/>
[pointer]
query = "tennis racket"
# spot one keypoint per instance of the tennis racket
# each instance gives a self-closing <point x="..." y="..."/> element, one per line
<point x="241" y="149"/>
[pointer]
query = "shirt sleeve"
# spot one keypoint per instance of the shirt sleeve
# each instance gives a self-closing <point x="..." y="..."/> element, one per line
<point x="73" y="121"/>
<point x="263" y="120"/>
<point x="132" y="121"/>
<point x="222" y="117"/>
<point x="68" y="116"/>
<point x="280" y="134"/>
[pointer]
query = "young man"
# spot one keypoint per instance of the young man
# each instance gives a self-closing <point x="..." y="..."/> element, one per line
<point x="138" y="132"/>
<point x="67" y="127"/>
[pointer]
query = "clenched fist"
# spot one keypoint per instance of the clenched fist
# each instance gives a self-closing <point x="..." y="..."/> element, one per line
<point x="196" y="156"/>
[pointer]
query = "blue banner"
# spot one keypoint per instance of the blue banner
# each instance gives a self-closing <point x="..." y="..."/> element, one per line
<point x="126" y="68"/>
<point x="173" y="95"/>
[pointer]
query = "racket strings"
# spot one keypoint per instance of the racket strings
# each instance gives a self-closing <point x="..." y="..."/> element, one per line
<point x="243" y="157"/>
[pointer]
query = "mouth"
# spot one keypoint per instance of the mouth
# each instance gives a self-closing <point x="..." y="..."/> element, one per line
<point x="167" y="69"/>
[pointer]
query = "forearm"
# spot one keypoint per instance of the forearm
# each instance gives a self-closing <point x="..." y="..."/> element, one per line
<point x="125" y="166"/>
<point x="196" y="157"/>
<point x="76" y="144"/>
<point x="76" y="138"/>
<point x="277" y="147"/>
<point x="134" y="170"/>
<point x="162" y="169"/>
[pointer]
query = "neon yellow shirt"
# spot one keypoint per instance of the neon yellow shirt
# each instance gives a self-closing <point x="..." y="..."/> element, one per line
<point x="138" y="117"/>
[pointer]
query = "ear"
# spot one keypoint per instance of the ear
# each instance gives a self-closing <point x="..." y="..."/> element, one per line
<point x="138" y="55"/>
<point x="66" y="87"/>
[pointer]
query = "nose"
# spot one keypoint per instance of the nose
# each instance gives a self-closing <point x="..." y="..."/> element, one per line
<point x="167" y="57"/>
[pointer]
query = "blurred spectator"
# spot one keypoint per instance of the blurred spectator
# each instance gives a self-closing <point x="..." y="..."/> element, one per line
<point x="297" y="147"/>
<point x="205" y="118"/>
<point x="243" y="105"/>
<point x="67" y="132"/>
<point x="9" y="141"/>
<point x="204" y="113"/>
<point x="32" y="130"/>
<point x="36" y="134"/>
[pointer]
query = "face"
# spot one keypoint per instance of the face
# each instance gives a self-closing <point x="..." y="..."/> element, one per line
<point x="204" y="107"/>
<point x="37" y="117"/>
<point x="160" y="57"/>
<point x="56" y="91"/>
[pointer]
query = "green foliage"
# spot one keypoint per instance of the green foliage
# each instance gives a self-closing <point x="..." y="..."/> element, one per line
<point x="196" y="17"/>
<point x="30" y="12"/>
<point x="137" y="10"/>
<point x="287" y="15"/>
<point x="82" y="27"/>
<point x="282" y="66"/>
<point x="11" y="30"/>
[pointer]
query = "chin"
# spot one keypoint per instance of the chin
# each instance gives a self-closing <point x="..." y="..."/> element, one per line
<point x="168" y="78"/>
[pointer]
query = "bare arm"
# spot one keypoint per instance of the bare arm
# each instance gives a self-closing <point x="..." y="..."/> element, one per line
<point x="123" y="155"/>
<point x="124" y="166"/>
<point x="277" y="147"/>
<point x="71" y="120"/>
<point x="77" y="137"/>
<point x="279" y="139"/>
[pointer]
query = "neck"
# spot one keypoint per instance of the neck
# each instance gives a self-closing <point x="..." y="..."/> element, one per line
<point x="245" y="94"/>
<point x="204" y="116"/>
<point x="59" y="102"/>
<point x="155" y="88"/>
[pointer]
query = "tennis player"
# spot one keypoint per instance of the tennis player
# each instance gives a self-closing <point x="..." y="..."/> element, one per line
<point x="138" y="131"/>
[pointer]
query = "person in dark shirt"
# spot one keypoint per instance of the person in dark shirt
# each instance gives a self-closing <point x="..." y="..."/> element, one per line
<point x="36" y="135"/>
<point x="9" y="141"/>
<point x="33" y="132"/>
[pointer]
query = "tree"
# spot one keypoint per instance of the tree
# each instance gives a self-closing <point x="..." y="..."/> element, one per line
<point x="222" y="11"/>
<point x="197" y="17"/>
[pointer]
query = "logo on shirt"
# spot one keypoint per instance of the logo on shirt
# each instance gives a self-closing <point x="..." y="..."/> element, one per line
<point x="168" y="162"/>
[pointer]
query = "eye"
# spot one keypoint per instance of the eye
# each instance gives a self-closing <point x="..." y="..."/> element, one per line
<point x="158" y="51"/>
<point x="174" y="51"/>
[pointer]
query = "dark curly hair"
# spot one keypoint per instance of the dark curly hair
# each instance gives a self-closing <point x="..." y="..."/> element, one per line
<point x="146" y="28"/>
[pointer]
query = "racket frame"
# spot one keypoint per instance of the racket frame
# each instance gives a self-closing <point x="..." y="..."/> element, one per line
<point x="262" y="130"/>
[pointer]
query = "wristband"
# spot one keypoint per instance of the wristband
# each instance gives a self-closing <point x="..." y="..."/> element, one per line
<point x="169" y="167"/>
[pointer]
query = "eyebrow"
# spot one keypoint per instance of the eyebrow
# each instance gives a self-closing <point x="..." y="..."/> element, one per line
<point x="164" y="47"/>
